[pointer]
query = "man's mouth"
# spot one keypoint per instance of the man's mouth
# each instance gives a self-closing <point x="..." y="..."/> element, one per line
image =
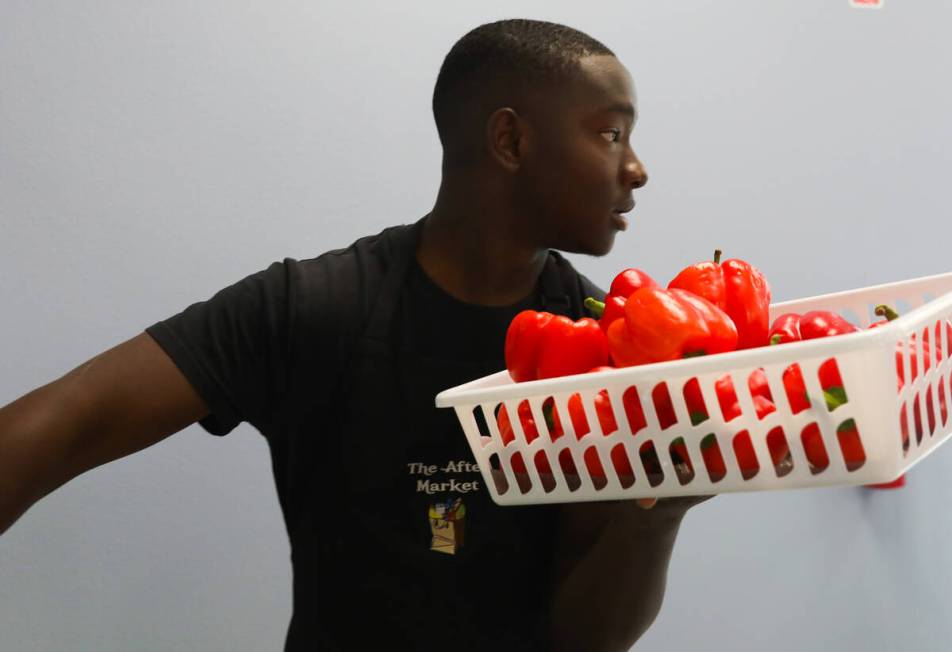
<point x="626" y="208"/>
<point x="619" y="221"/>
<point x="618" y="215"/>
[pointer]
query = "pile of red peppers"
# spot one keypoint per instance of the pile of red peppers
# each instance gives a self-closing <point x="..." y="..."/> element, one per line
<point x="709" y="307"/>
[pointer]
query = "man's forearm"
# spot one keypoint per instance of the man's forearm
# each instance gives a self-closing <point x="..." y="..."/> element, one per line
<point x="609" y="589"/>
<point x="30" y="464"/>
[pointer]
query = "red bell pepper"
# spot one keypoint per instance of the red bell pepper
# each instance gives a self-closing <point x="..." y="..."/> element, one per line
<point x="571" y="347"/>
<point x="542" y="345"/>
<point x="622" y="287"/>
<point x="606" y="311"/>
<point x="663" y="325"/>
<point x="792" y="327"/>
<point x="736" y="287"/>
<point x="786" y="328"/>
<point x="522" y="344"/>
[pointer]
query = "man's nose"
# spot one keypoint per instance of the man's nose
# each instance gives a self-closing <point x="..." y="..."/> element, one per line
<point x="635" y="175"/>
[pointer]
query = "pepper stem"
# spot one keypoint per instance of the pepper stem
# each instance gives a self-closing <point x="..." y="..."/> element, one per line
<point x="885" y="311"/>
<point x="775" y="339"/>
<point x="596" y="307"/>
<point x="717" y="256"/>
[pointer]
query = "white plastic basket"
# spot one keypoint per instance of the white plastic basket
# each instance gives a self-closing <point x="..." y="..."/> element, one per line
<point x="867" y="365"/>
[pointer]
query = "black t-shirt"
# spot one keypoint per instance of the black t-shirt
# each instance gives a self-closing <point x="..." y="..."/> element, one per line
<point x="271" y="349"/>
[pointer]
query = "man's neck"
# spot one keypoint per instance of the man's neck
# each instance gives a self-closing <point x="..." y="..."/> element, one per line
<point x="468" y="248"/>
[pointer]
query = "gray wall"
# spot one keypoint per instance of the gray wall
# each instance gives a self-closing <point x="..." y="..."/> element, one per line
<point x="151" y="154"/>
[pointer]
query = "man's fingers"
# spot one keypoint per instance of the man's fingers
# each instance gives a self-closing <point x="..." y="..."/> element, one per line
<point x="646" y="503"/>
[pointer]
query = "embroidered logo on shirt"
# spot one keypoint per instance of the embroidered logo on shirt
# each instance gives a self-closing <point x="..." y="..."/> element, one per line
<point x="447" y="521"/>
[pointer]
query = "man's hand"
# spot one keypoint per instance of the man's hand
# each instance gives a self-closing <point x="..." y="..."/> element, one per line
<point x="672" y="506"/>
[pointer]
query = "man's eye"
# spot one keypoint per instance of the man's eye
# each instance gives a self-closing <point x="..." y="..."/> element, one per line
<point x="612" y="135"/>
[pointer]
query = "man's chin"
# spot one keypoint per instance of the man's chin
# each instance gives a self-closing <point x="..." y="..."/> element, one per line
<point x="596" y="249"/>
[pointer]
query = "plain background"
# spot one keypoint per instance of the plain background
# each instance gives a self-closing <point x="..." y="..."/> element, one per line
<point x="153" y="153"/>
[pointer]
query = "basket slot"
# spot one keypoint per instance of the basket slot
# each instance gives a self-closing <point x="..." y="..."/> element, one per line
<point x="832" y="385"/>
<point x="634" y="410"/>
<point x="681" y="461"/>
<point x="712" y="458"/>
<point x="815" y="448"/>
<point x="595" y="422"/>
<point x="622" y="465"/>
<point x="544" y="467"/>
<point x="480" y="421"/>
<point x="744" y="453"/>
<point x="645" y="400"/>
<point x="500" y="482"/>
<point x="542" y="416"/>
<point x="654" y="472"/>
<point x="594" y="467"/>
<point x="520" y="472"/>
<point x="569" y="470"/>
<point x="943" y="402"/>
<point x="906" y="396"/>
<point x="663" y="406"/>
<point x="779" y="449"/>
<point x="850" y="445"/>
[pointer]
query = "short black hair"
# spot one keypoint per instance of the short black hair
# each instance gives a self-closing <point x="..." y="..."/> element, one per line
<point x="517" y="52"/>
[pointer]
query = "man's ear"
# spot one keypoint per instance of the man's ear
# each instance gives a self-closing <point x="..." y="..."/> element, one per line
<point x="506" y="137"/>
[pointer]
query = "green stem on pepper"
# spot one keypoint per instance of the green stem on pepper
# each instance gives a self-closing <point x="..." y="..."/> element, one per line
<point x="885" y="311"/>
<point x="596" y="307"/>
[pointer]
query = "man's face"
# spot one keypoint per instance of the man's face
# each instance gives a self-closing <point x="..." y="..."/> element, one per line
<point x="580" y="170"/>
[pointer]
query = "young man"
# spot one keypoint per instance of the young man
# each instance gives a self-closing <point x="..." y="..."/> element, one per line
<point x="336" y="361"/>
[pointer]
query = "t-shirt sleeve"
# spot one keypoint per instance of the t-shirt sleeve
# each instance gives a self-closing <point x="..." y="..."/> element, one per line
<point x="234" y="347"/>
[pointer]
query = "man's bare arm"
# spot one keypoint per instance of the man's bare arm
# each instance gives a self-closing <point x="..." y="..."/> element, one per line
<point x="121" y="401"/>
<point x="611" y="570"/>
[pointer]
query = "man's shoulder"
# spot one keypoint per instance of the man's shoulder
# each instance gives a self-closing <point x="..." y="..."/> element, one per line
<point x="337" y="287"/>
<point x="351" y="269"/>
<point x="367" y="251"/>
